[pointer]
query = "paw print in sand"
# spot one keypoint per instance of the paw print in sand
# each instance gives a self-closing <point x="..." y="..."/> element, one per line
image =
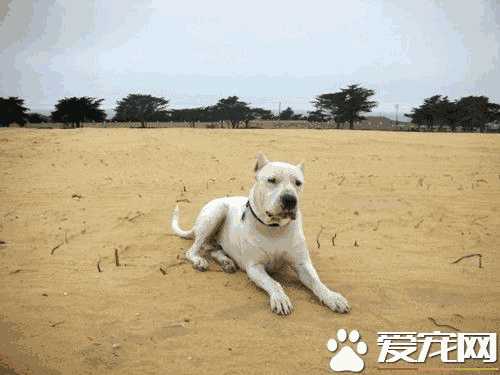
<point x="347" y="359"/>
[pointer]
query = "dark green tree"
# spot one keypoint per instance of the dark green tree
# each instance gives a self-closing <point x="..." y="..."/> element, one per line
<point x="471" y="113"/>
<point x="37" y="118"/>
<point x="75" y="110"/>
<point x="430" y="113"/>
<point x="190" y="115"/>
<point x="346" y="105"/>
<point x="233" y="110"/>
<point x="317" y="116"/>
<point x="475" y="112"/>
<point x="287" y="114"/>
<point x="141" y="108"/>
<point x="262" y="114"/>
<point x="12" y="110"/>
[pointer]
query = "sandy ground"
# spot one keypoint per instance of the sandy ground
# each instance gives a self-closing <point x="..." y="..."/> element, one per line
<point x="412" y="203"/>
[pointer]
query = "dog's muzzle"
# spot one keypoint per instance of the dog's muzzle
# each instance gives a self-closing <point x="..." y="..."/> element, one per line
<point x="288" y="202"/>
<point x="288" y="206"/>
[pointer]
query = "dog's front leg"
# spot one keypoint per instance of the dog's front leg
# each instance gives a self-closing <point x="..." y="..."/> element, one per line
<point x="309" y="277"/>
<point x="280" y="303"/>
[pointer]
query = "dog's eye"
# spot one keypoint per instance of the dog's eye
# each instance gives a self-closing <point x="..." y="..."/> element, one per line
<point x="272" y="180"/>
<point x="298" y="183"/>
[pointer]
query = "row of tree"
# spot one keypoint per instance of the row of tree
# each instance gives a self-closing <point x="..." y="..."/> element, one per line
<point x="346" y="106"/>
<point x="343" y="106"/>
<point x="139" y="108"/>
<point x="470" y="113"/>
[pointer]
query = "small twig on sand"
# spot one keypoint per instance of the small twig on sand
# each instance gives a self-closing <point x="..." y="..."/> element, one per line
<point x="55" y="248"/>
<point x="117" y="258"/>
<point x="65" y="236"/>
<point x="56" y="323"/>
<point x="131" y="219"/>
<point x="99" y="269"/>
<point x="183" y="200"/>
<point x="15" y="271"/>
<point x="341" y="181"/>
<point x="317" y="236"/>
<point x="480" y="257"/>
<point x="356" y="244"/>
<point x="442" y="325"/>
<point x="180" y="261"/>
<point x="418" y="224"/>
<point x="333" y="239"/>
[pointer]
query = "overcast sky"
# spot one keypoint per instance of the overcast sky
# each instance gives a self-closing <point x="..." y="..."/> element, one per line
<point x="194" y="52"/>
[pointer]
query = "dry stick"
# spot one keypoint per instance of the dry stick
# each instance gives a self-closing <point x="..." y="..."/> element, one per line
<point x="183" y="200"/>
<point x="317" y="237"/>
<point x="57" y="323"/>
<point x="99" y="265"/>
<point x="179" y="262"/>
<point x="480" y="257"/>
<point x="134" y="217"/>
<point x="163" y="271"/>
<point x="55" y="248"/>
<point x="333" y="239"/>
<point x="442" y="325"/>
<point x="117" y="259"/>
<point x="418" y="224"/>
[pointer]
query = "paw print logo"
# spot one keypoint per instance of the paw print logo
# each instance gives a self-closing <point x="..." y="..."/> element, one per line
<point x="346" y="358"/>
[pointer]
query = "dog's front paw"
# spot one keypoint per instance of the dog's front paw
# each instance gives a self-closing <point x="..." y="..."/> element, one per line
<point x="228" y="266"/>
<point x="200" y="264"/>
<point x="280" y="303"/>
<point x="336" y="302"/>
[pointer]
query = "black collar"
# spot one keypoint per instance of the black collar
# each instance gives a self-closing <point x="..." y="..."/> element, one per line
<point x="260" y="221"/>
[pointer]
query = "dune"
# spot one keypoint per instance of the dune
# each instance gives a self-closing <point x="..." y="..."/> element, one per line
<point x="92" y="281"/>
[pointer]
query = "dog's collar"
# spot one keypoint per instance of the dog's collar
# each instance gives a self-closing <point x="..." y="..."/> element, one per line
<point x="259" y="220"/>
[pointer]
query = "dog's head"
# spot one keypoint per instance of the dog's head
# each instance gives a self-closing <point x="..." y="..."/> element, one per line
<point x="275" y="195"/>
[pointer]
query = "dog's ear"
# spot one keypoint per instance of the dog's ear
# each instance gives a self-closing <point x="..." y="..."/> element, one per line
<point x="301" y="166"/>
<point x="261" y="161"/>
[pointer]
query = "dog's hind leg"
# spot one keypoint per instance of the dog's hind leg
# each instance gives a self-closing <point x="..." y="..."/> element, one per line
<point x="223" y="260"/>
<point x="205" y="228"/>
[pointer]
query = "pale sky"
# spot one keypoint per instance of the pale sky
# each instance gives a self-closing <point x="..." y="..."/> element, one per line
<point x="266" y="52"/>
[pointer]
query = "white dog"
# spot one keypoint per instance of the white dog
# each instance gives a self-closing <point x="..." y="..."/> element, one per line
<point x="260" y="233"/>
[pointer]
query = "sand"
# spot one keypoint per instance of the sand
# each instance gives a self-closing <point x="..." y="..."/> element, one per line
<point x="403" y="207"/>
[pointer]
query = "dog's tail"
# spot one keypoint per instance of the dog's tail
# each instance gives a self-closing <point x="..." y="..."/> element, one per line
<point x="188" y="234"/>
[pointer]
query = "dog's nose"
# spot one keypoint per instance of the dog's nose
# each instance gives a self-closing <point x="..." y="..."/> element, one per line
<point x="288" y="201"/>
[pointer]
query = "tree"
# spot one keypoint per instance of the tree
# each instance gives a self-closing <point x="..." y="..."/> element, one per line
<point x="37" y="118"/>
<point x="262" y="114"/>
<point x="142" y="108"/>
<point x="347" y="104"/>
<point x="287" y="114"/>
<point x="317" y="116"/>
<point x="233" y="110"/>
<point x="431" y="112"/>
<point x="12" y="110"/>
<point x="475" y="112"/>
<point x="471" y="113"/>
<point x="447" y="114"/>
<point x="75" y="110"/>
<point x="190" y="115"/>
